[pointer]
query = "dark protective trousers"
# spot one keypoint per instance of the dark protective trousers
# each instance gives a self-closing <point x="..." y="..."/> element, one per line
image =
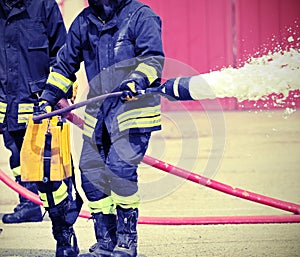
<point x="13" y="141"/>
<point x="112" y="166"/>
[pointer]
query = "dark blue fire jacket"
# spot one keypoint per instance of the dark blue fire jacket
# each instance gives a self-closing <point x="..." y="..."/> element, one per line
<point x="30" y="37"/>
<point x="128" y="42"/>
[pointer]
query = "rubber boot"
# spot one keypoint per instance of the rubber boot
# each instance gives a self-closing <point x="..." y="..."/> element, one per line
<point x="25" y="211"/>
<point x="126" y="233"/>
<point x="63" y="232"/>
<point x="105" y="226"/>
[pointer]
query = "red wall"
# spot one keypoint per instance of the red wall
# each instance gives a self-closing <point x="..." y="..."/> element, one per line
<point x="262" y="25"/>
<point x="210" y="34"/>
<point x="197" y="33"/>
<point x="204" y="35"/>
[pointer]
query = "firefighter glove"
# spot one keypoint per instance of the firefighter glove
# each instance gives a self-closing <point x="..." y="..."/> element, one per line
<point x="43" y="107"/>
<point x="133" y="86"/>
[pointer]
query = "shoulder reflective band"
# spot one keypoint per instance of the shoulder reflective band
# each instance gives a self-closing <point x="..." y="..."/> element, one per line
<point x="148" y="70"/>
<point x="60" y="81"/>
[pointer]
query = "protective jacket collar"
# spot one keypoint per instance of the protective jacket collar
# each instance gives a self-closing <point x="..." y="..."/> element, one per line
<point x="106" y="13"/>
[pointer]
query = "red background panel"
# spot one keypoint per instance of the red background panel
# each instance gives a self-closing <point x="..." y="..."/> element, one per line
<point x="204" y="35"/>
<point x="197" y="33"/>
<point x="263" y="25"/>
<point x="207" y="35"/>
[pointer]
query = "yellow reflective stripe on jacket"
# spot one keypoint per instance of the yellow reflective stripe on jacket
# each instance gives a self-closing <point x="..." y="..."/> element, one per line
<point x="89" y="125"/>
<point x="90" y="120"/>
<point x="146" y="117"/>
<point x="105" y="205"/>
<point x="59" y="195"/>
<point x="88" y="131"/>
<point x="140" y="112"/>
<point x="23" y="118"/>
<point x="140" y="123"/>
<point x="148" y="70"/>
<point x="3" y="107"/>
<point x="2" y="116"/>
<point x="59" y="81"/>
<point x="24" y="110"/>
<point x="25" y="107"/>
<point x="16" y="171"/>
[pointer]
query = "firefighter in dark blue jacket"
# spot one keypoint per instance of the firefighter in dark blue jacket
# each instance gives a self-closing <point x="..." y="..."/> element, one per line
<point x="31" y="33"/>
<point x="120" y="43"/>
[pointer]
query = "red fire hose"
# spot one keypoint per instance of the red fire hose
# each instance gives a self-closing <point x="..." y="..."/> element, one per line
<point x="276" y="203"/>
<point x="168" y="220"/>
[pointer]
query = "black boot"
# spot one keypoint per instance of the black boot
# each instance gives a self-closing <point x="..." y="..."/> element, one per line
<point x="126" y="233"/>
<point x="25" y="211"/>
<point x="105" y="230"/>
<point x="63" y="232"/>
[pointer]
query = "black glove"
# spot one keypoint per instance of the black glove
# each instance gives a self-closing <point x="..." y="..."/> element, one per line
<point x="132" y="86"/>
<point x="42" y="107"/>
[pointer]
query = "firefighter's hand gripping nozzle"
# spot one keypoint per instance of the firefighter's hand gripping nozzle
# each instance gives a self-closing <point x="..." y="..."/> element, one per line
<point x="41" y="107"/>
<point x="132" y="85"/>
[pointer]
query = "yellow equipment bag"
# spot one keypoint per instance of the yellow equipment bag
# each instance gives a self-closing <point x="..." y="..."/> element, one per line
<point x="33" y="156"/>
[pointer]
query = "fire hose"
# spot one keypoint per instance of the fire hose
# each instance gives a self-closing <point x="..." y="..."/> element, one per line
<point x="168" y="220"/>
<point x="247" y="195"/>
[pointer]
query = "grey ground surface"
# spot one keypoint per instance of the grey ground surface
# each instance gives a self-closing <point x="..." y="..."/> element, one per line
<point x="255" y="151"/>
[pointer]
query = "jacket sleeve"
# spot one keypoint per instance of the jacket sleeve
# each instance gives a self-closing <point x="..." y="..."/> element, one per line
<point x="62" y="75"/>
<point x="148" y="48"/>
<point x="56" y="29"/>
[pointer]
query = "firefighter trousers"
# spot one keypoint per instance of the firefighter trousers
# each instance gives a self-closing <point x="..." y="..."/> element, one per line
<point x="109" y="170"/>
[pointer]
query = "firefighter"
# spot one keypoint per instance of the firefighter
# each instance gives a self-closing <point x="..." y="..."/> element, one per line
<point x="30" y="39"/>
<point x="120" y="43"/>
<point x="32" y="31"/>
